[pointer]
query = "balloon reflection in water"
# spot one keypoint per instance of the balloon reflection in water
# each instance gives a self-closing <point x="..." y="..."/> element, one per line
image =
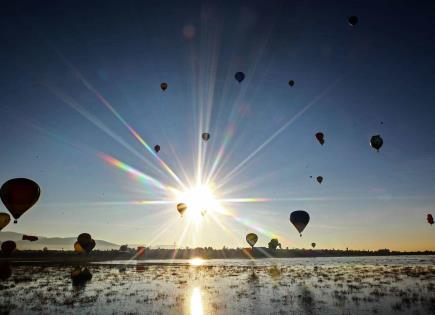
<point x="80" y="276"/>
<point x="5" y="270"/>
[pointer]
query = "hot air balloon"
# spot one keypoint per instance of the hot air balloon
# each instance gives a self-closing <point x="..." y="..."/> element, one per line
<point x="181" y="207"/>
<point x="313" y="245"/>
<point x="19" y="195"/>
<point x="239" y="76"/>
<point x="251" y="238"/>
<point x="319" y="179"/>
<point x="376" y="142"/>
<point x="140" y="252"/>
<point x="300" y="219"/>
<point x="157" y="148"/>
<point x="8" y="247"/>
<point x="163" y="86"/>
<point x="205" y="136"/>
<point x="78" y="248"/>
<point x="320" y="137"/>
<point x="86" y="242"/>
<point x="291" y="82"/>
<point x="4" y="220"/>
<point x="430" y="219"/>
<point x="29" y="238"/>
<point x="353" y="20"/>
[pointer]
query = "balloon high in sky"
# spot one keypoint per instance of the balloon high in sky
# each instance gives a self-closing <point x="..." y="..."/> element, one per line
<point x="299" y="219"/>
<point x="257" y="97"/>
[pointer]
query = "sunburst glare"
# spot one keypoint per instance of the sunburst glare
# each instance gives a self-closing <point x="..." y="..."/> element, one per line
<point x="200" y="201"/>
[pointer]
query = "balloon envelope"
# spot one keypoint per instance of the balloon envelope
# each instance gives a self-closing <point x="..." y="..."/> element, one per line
<point x="8" y="247"/>
<point x="319" y="179"/>
<point x="430" y="219"/>
<point x="157" y="148"/>
<point x="299" y="219"/>
<point x="320" y="137"/>
<point x="181" y="207"/>
<point x="29" y="238"/>
<point x="86" y="242"/>
<point x="205" y="136"/>
<point x="4" y="220"/>
<point x="313" y="245"/>
<point x="163" y="86"/>
<point x="291" y="82"/>
<point x="376" y="142"/>
<point x="251" y="238"/>
<point x="19" y="195"/>
<point x="78" y="248"/>
<point x="140" y="251"/>
<point x="239" y="76"/>
<point x="353" y="20"/>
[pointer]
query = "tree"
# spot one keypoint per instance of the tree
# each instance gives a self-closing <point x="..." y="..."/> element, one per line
<point x="273" y="244"/>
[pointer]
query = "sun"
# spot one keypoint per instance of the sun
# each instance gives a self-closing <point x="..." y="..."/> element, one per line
<point x="200" y="200"/>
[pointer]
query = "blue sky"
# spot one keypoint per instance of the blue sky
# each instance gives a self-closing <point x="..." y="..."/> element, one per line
<point x="61" y="61"/>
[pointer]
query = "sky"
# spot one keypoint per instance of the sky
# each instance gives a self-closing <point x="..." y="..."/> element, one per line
<point x="81" y="109"/>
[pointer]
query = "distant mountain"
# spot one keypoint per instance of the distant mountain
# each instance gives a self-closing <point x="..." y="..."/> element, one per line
<point x="56" y="243"/>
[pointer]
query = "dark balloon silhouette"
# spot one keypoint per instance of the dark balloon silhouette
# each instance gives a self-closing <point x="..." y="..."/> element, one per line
<point x="319" y="179"/>
<point x="320" y="137"/>
<point x="78" y="248"/>
<point x="291" y="83"/>
<point x="205" y="136"/>
<point x="8" y="247"/>
<point x="430" y="219"/>
<point x="239" y="76"/>
<point x="313" y="245"/>
<point x="376" y="142"/>
<point x="30" y="238"/>
<point x="157" y="148"/>
<point x="5" y="270"/>
<point x="4" y="220"/>
<point x="163" y="86"/>
<point x="85" y="242"/>
<point x="251" y="238"/>
<point x="353" y="21"/>
<point x="181" y="207"/>
<point x="299" y="219"/>
<point x="19" y="195"/>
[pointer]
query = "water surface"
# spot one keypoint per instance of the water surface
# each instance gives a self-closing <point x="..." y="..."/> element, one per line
<point x="350" y="285"/>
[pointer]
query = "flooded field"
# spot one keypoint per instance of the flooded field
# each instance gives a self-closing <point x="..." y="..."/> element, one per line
<point x="363" y="285"/>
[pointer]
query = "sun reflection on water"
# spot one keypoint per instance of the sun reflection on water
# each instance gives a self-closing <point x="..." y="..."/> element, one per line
<point x="196" y="261"/>
<point x="196" y="302"/>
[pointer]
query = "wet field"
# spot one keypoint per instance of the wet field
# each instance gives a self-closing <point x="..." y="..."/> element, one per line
<point x="363" y="285"/>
